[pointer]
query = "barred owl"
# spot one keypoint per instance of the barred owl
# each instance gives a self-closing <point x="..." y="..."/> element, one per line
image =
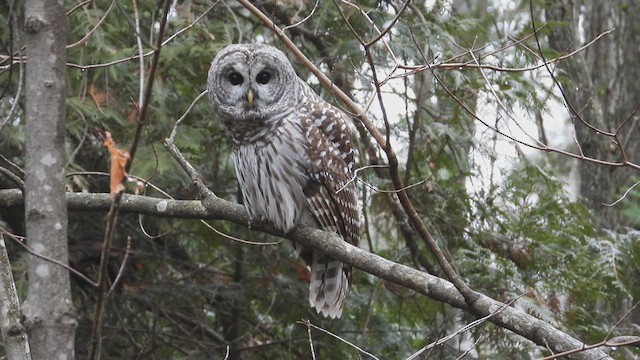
<point x="293" y="155"/>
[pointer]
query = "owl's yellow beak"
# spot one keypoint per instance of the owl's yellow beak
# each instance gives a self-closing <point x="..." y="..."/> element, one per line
<point x="250" y="97"/>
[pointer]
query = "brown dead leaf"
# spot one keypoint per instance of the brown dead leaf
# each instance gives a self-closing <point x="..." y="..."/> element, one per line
<point x="132" y="116"/>
<point x="119" y="159"/>
<point x="98" y="97"/>
<point x="301" y="270"/>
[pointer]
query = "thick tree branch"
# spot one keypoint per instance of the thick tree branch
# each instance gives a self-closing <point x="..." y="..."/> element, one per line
<point x="431" y="286"/>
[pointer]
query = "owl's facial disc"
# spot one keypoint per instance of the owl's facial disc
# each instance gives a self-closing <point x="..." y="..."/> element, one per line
<point x="251" y="82"/>
<point x="253" y="88"/>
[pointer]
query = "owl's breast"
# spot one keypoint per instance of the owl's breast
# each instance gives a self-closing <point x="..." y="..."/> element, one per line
<point x="271" y="173"/>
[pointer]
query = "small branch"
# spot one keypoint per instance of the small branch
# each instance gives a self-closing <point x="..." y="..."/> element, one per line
<point x="122" y="265"/>
<point x="165" y="42"/>
<point x="16" y="99"/>
<point x="491" y="89"/>
<point x="103" y="277"/>
<point x="78" y="6"/>
<point x="313" y="353"/>
<point x="315" y="6"/>
<point x="465" y="328"/>
<point x="13" y="166"/>
<point x="618" y="341"/>
<point x="13" y="177"/>
<point x="144" y="107"/>
<point x="390" y="26"/>
<point x="21" y="242"/>
<point x="448" y="65"/>
<point x="623" y="195"/>
<point x="90" y="32"/>
<point x="103" y="294"/>
<point x="136" y="17"/>
<point x="174" y="132"/>
<point x="392" y="159"/>
<point x="309" y="325"/>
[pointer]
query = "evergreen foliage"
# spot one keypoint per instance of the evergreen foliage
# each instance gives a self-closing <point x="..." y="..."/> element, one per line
<point x="507" y="223"/>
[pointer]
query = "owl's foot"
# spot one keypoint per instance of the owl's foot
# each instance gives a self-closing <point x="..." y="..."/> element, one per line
<point x="259" y="222"/>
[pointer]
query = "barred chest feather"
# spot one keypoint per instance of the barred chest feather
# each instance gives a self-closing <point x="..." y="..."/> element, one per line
<point x="271" y="173"/>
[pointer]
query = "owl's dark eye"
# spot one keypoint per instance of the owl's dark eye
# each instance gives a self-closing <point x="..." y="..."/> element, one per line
<point x="235" y="78"/>
<point x="263" y="77"/>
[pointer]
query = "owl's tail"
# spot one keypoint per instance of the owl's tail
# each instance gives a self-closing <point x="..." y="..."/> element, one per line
<point x="329" y="285"/>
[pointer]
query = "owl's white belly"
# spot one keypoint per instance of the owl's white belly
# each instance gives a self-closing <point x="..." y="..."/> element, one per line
<point x="272" y="177"/>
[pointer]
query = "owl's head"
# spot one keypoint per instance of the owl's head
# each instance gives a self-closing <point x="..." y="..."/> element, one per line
<point x="249" y="84"/>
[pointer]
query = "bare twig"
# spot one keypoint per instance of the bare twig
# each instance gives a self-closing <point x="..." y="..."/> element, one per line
<point x="96" y="338"/>
<point x="121" y="269"/>
<point x="448" y="65"/>
<point x="392" y="23"/>
<point x="144" y="107"/>
<point x="78" y="6"/>
<point x="309" y="325"/>
<point x="103" y="278"/>
<point x="22" y="244"/>
<point x="502" y="106"/>
<point x="313" y="353"/>
<point x="367" y="18"/>
<point x="149" y="53"/>
<point x="542" y="147"/>
<point x="16" y="98"/>
<point x="624" y="316"/>
<point x="623" y="195"/>
<point x="136" y="18"/>
<point x="13" y="177"/>
<point x="465" y="328"/>
<point x="315" y="6"/>
<point x="174" y="132"/>
<point x="90" y="32"/>
<point x="12" y="165"/>
<point x="615" y="342"/>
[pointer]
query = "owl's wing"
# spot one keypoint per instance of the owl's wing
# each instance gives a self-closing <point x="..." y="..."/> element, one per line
<point x="331" y="196"/>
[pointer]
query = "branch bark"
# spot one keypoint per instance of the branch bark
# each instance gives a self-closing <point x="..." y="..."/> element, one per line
<point x="48" y="310"/>
<point x="431" y="286"/>
<point x="13" y="333"/>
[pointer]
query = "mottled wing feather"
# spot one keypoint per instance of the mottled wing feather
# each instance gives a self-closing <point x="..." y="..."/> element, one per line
<point x="333" y="196"/>
<point x="324" y="210"/>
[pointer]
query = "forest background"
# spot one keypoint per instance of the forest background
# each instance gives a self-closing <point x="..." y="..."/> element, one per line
<point x="498" y="168"/>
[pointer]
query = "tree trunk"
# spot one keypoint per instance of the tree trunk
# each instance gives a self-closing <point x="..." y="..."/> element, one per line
<point x="48" y="309"/>
<point x="601" y="85"/>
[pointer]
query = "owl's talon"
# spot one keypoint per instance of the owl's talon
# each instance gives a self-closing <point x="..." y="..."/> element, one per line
<point x="258" y="222"/>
